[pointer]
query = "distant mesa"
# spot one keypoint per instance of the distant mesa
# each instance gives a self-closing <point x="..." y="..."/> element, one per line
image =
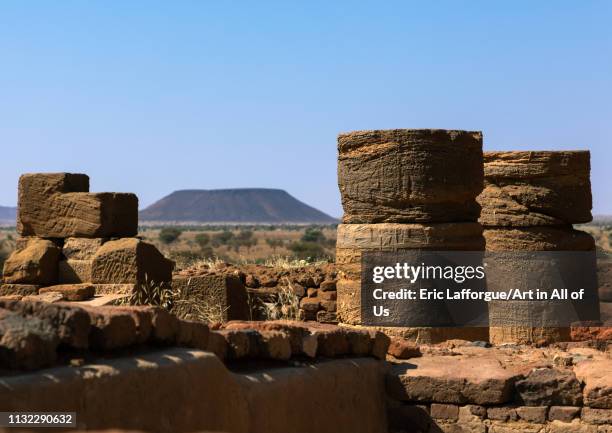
<point x="8" y="215"/>
<point x="245" y="205"/>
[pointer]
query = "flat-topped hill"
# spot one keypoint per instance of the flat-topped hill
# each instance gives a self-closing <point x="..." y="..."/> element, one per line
<point x="244" y="205"/>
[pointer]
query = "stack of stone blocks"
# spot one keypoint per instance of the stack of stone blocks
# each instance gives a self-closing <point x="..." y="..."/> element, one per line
<point x="483" y="394"/>
<point x="77" y="243"/>
<point x="406" y="189"/>
<point x="529" y="203"/>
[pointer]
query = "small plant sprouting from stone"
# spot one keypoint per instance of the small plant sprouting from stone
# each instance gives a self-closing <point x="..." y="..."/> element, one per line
<point x="151" y="293"/>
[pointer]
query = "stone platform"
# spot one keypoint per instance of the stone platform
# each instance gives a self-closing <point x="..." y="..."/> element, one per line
<point x="184" y="390"/>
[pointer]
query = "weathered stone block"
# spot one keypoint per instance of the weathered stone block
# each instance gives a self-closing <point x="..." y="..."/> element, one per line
<point x="71" y="292"/>
<point x="595" y="374"/>
<point x="59" y="206"/>
<point x="143" y="319"/>
<point x="81" y="248"/>
<point x="332" y="341"/>
<point x="34" y="192"/>
<point x="401" y="348"/>
<point x="310" y="307"/>
<point x="503" y="413"/>
<point x="328" y="305"/>
<point x="111" y="328"/>
<point x="130" y="261"/>
<point x="274" y="345"/>
<point x="444" y="411"/>
<point x="404" y="175"/>
<point x="536" y="188"/>
<point x="166" y="326"/>
<point x="73" y="271"/>
<point x="380" y="344"/>
<point x="241" y="343"/>
<point x="352" y="239"/>
<point x="328" y="296"/>
<point x="18" y="289"/>
<point x="326" y="317"/>
<point x="535" y="414"/>
<point x="549" y="387"/>
<point x="563" y="413"/>
<point x="71" y="324"/>
<point x="327" y="286"/>
<point x="448" y="379"/>
<point x="597" y="416"/>
<point x="538" y="239"/>
<point x="217" y="345"/>
<point x="26" y="342"/>
<point x="37" y="263"/>
<point x="193" y="334"/>
<point x="115" y="289"/>
<point x="472" y="412"/>
<point x="50" y="297"/>
<point x="211" y="298"/>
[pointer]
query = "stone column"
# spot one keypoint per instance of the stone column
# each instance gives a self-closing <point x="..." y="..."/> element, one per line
<point x="406" y="189"/>
<point x="529" y="203"/>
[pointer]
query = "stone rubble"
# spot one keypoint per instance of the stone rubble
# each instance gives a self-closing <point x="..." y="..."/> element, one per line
<point x="74" y="244"/>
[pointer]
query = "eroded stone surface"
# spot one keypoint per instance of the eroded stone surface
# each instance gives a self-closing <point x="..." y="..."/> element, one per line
<point x="403" y="175"/>
<point x="450" y="379"/>
<point x="35" y="264"/>
<point x="597" y="379"/>
<point x="130" y="261"/>
<point x="538" y="239"/>
<point x="26" y="342"/>
<point x="224" y="297"/>
<point x="532" y="188"/>
<point x="550" y="387"/>
<point x="58" y="205"/>
<point x="71" y="292"/>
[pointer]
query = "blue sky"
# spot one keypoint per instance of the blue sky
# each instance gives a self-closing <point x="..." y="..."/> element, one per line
<point x="151" y="97"/>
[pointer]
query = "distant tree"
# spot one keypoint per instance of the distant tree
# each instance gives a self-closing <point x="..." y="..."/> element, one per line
<point x="307" y="250"/>
<point x="313" y="234"/>
<point x="222" y="238"/>
<point x="274" y="243"/>
<point x="203" y="240"/>
<point x="167" y="235"/>
<point x="244" y="238"/>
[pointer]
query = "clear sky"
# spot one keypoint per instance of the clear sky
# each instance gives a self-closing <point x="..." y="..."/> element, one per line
<point x="150" y="97"/>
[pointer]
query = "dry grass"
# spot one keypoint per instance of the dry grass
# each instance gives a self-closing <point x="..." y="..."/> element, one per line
<point x="199" y="312"/>
<point x="271" y="245"/>
<point x="286" y="306"/>
<point x="151" y="293"/>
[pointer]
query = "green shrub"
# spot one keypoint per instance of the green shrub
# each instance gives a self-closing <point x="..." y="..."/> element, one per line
<point x="307" y="250"/>
<point x="167" y="235"/>
<point x="222" y="238"/>
<point x="203" y="240"/>
<point x="313" y="234"/>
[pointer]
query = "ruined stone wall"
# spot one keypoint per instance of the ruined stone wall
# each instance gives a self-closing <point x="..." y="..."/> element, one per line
<point x="74" y="243"/>
<point x="258" y="292"/>
<point x="466" y="388"/>
<point x="143" y="368"/>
